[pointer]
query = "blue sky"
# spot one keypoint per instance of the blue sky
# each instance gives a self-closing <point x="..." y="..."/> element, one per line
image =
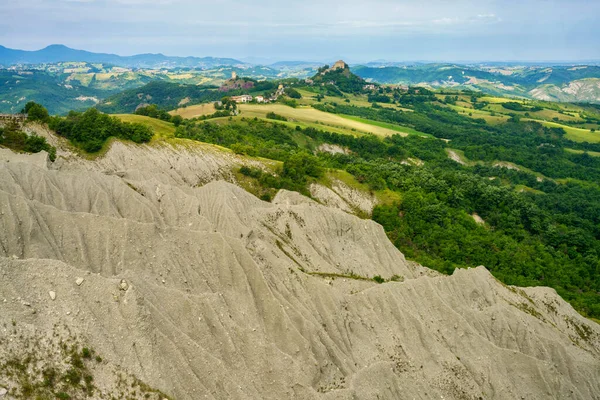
<point x="313" y="30"/>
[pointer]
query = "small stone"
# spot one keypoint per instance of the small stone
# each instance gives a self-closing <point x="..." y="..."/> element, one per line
<point x="79" y="281"/>
<point x="52" y="294"/>
<point x="14" y="256"/>
<point x="123" y="285"/>
<point x="3" y="392"/>
<point x="26" y="303"/>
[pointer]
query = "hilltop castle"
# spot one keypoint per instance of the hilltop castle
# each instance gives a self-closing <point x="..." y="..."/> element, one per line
<point x="340" y="64"/>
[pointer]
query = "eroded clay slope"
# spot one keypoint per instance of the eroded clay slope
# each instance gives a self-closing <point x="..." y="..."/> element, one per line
<point x="203" y="291"/>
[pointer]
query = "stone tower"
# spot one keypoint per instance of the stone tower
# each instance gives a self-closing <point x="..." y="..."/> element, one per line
<point x="339" y="65"/>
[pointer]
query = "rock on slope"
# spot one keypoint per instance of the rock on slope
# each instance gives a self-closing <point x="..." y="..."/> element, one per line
<point x="203" y="291"/>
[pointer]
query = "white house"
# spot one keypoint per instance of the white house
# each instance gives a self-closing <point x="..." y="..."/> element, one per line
<point x="245" y="98"/>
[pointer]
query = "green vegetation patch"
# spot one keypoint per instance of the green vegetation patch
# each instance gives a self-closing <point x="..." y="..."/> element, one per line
<point x="91" y="129"/>
<point x="12" y="137"/>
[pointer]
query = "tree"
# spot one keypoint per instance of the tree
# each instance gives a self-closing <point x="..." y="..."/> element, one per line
<point x="300" y="165"/>
<point x="36" y="112"/>
<point x="176" y="120"/>
<point x="293" y="93"/>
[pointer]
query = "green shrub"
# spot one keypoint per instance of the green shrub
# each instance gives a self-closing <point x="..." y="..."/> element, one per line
<point x="272" y="115"/>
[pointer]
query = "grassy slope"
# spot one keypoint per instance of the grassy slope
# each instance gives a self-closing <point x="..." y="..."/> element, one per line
<point x="402" y="130"/>
<point x="162" y="129"/>
<point x="311" y="115"/>
<point x="591" y="153"/>
<point x="574" y="134"/>
<point x="194" y="111"/>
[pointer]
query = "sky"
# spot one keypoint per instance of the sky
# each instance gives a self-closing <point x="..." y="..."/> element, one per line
<point x="312" y="30"/>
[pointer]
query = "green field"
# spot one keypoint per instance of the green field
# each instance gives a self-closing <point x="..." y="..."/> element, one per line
<point x="486" y="115"/>
<point x="574" y="134"/>
<point x="402" y="130"/>
<point x="591" y="153"/>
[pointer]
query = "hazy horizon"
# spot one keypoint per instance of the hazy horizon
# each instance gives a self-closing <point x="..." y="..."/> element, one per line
<point x="270" y="31"/>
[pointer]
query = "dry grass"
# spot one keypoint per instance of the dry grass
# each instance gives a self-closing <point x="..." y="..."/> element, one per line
<point x="194" y="111"/>
<point x="312" y="116"/>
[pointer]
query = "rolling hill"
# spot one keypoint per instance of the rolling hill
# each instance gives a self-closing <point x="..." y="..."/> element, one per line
<point x="578" y="83"/>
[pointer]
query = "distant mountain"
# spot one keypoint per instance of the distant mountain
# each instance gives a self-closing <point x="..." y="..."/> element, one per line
<point x="59" y="53"/>
<point x="295" y="64"/>
<point x="569" y="83"/>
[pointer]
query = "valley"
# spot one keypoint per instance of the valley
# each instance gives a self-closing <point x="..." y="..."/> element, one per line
<point x="206" y="234"/>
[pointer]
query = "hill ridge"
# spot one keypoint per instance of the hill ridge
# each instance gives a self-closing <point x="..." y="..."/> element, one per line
<point x="60" y="53"/>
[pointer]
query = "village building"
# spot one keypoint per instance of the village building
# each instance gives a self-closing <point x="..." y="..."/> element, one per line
<point x="280" y="90"/>
<point x="369" y="86"/>
<point x="259" y="99"/>
<point x="245" y="98"/>
<point x="233" y="75"/>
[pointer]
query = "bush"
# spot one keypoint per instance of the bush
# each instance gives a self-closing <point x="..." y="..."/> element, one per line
<point x="380" y="98"/>
<point x="514" y="106"/>
<point x="272" y="115"/>
<point x="176" y="120"/>
<point x="288" y="102"/>
<point x="293" y="93"/>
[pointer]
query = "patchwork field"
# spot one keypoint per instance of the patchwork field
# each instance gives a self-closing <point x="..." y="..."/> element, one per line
<point x="402" y="130"/>
<point x="489" y="118"/>
<point x="311" y="116"/>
